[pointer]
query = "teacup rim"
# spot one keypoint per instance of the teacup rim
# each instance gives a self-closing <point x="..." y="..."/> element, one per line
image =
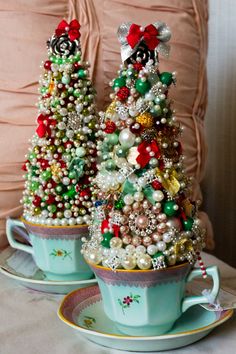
<point x="21" y="218"/>
<point x="139" y="270"/>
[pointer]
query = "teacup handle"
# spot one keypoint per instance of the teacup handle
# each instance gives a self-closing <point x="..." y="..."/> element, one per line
<point x="201" y="299"/>
<point x="11" y="223"/>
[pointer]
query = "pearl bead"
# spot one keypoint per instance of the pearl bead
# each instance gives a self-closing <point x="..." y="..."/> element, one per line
<point x="66" y="181"/>
<point x="67" y="214"/>
<point x="138" y="196"/>
<point x="129" y="262"/>
<point x="161" y="246"/>
<point x="144" y="261"/>
<point x="156" y="237"/>
<point x="140" y="249"/>
<point x="152" y="249"/>
<point x="130" y="249"/>
<point x="141" y="221"/>
<point x="94" y="257"/>
<point x="161" y="227"/>
<point x="158" y="196"/>
<point x="136" y="241"/>
<point x="166" y="237"/>
<point x="147" y="240"/>
<point x="126" y="138"/>
<point x="115" y="242"/>
<point x="173" y="222"/>
<point x="128" y="199"/>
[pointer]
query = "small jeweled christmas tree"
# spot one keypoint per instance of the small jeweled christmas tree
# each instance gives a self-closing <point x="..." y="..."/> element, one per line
<point x="143" y="217"/>
<point x="62" y="155"/>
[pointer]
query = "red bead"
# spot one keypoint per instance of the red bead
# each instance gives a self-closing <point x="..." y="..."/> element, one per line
<point x="85" y="193"/>
<point x="110" y="127"/>
<point x="156" y="185"/>
<point x="24" y="168"/>
<point x="138" y="66"/>
<point x="77" y="66"/>
<point x="68" y="143"/>
<point x="51" y="199"/>
<point x="43" y="163"/>
<point x="47" y="65"/>
<point x="37" y="201"/>
<point x="123" y="93"/>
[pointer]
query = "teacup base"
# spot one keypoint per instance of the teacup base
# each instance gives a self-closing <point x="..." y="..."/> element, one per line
<point x="144" y="330"/>
<point x="68" y="277"/>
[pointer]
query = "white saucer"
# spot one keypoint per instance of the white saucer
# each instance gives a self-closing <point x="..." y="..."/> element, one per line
<point x="20" y="266"/>
<point x="82" y="310"/>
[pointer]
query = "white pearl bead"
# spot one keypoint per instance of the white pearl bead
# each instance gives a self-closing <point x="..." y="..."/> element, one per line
<point x="140" y="249"/>
<point x="129" y="262"/>
<point x="161" y="246"/>
<point x="128" y="199"/>
<point x="126" y="138"/>
<point x="138" y="196"/>
<point x="144" y="261"/>
<point x="166" y="237"/>
<point x="79" y="220"/>
<point x="152" y="249"/>
<point x="158" y="196"/>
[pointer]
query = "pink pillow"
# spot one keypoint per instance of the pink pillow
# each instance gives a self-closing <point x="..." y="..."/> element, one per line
<point x="26" y="27"/>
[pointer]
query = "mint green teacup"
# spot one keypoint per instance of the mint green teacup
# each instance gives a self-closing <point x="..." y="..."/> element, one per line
<point x="55" y="249"/>
<point x="148" y="302"/>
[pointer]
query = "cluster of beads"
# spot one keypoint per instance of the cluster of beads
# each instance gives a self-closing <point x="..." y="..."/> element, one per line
<point x="62" y="156"/>
<point x="143" y="217"/>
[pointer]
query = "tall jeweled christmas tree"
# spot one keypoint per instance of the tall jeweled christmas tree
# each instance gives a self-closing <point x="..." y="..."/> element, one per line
<point x="62" y="156"/>
<point x="143" y="217"/>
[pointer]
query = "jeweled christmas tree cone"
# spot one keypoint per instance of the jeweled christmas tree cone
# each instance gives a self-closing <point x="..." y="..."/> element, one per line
<point x="61" y="161"/>
<point x="61" y="158"/>
<point x="145" y="232"/>
<point x="143" y="217"/>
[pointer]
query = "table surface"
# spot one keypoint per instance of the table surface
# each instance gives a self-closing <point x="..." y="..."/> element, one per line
<point x="29" y="323"/>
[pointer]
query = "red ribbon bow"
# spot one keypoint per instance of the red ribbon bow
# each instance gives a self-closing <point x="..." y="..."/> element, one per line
<point x="72" y="29"/>
<point x="144" y="150"/>
<point x="44" y="125"/>
<point x="149" y="35"/>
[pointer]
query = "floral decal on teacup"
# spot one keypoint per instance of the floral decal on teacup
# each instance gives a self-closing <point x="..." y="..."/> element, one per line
<point x="89" y="321"/>
<point x="127" y="301"/>
<point x="61" y="253"/>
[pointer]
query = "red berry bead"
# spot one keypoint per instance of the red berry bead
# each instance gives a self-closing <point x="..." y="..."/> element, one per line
<point x="37" y="201"/>
<point x="47" y="65"/>
<point x="51" y="199"/>
<point x="137" y="66"/>
<point x="156" y="185"/>
<point x="43" y="163"/>
<point x="123" y="93"/>
<point x="110" y="127"/>
<point x="77" y="66"/>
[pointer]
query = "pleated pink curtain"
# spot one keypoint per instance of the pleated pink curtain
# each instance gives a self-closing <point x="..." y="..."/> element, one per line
<point x="25" y="27"/>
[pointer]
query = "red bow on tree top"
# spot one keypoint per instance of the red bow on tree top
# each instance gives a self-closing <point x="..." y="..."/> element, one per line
<point x="72" y="29"/>
<point x="148" y="34"/>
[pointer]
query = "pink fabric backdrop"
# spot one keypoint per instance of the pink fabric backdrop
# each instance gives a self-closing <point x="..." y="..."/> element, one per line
<point x="25" y="27"/>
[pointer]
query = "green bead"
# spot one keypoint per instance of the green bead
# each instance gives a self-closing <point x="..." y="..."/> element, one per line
<point x="43" y="90"/>
<point x="188" y="224"/>
<point x="72" y="175"/>
<point x="169" y="208"/>
<point x="70" y="193"/>
<point x="55" y="102"/>
<point x="34" y="186"/>
<point x="46" y="175"/>
<point x="107" y="236"/>
<point x="121" y="152"/>
<point x="52" y="208"/>
<point x="119" y="204"/>
<point x="110" y="165"/>
<point x="82" y="74"/>
<point x="119" y="82"/>
<point x="65" y="79"/>
<point x="158" y="254"/>
<point x="112" y="138"/>
<point x="156" y="111"/>
<point x="142" y="86"/>
<point x="58" y="61"/>
<point x="76" y="93"/>
<point x="32" y="156"/>
<point x="166" y="78"/>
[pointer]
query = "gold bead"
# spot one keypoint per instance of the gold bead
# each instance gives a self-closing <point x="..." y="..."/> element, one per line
<point x="37" y="211"/>
<point x="145" y="119"/>
<point x="92" y="124"/>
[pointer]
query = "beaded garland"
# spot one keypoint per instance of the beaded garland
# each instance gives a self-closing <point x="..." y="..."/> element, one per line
<point x="62" y="156"/>
<point x="143" y="217"/>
